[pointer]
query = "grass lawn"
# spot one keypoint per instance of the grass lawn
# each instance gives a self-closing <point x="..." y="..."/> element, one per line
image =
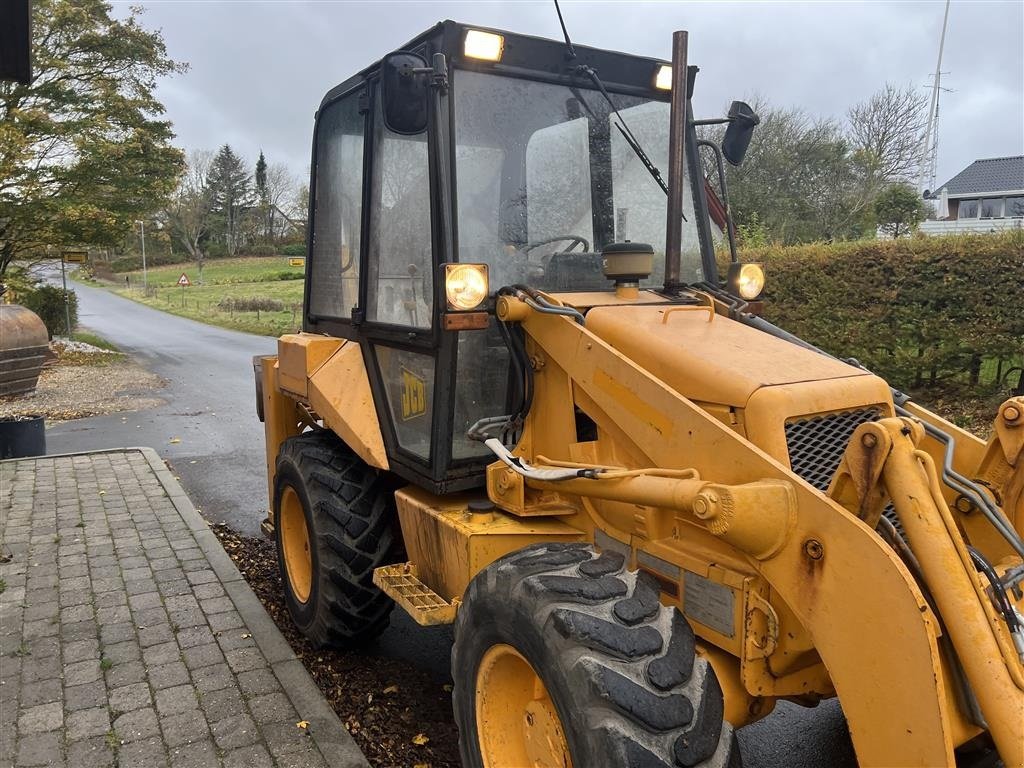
<point x="267" y="279"/>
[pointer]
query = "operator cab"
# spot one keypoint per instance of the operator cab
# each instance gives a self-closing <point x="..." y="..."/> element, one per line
<point x="480" y="146"/>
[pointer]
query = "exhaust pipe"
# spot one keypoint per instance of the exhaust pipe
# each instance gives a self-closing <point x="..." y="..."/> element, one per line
<point x="676" y="163"/>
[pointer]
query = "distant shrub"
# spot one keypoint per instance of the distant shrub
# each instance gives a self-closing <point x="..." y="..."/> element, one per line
<point x="133" y="262"/>
<point x="250" y="304"/>
<point x="293" y="249"/>
<point x="47" y="301"/>
<point x="259" y="250"/>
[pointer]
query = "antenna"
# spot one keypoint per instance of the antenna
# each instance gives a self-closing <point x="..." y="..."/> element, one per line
<point x="933" y="111"/>
<point x="933" y="155"/>
<point x="568" y="42"/>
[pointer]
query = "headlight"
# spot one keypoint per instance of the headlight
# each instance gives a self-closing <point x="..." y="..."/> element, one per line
<point x="746" y="280"/>
<point x="483" y="45"/>
<point x="663" y="80"/>
<point x="465" y="285"/>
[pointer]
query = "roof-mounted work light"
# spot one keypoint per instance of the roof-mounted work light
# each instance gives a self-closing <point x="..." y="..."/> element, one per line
<point x="663" y="80"/>
<point x="483" y="45"/>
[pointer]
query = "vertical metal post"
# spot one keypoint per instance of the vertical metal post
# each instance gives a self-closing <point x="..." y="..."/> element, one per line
<point x="67" y="299"/>
<point x="145" y="281"/>
<point x="676" y="162"/>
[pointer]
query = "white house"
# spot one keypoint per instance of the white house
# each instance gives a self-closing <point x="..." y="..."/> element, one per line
<point x="986" y="196"/>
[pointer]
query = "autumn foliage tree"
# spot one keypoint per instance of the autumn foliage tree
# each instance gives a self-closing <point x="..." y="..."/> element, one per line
<point x="84" y="150"/>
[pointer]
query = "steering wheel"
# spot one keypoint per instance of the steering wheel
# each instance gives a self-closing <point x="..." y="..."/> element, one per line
<point x="574" y="241"/>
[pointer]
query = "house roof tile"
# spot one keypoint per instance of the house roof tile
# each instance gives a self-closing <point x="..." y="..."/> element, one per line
<point x="994" y="174"/>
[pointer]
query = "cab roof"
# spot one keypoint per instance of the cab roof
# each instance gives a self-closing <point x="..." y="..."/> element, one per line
<point x="527" y="56"/>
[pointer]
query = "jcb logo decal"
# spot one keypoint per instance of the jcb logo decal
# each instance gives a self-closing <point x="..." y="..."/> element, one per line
<point x="414" y="395"/>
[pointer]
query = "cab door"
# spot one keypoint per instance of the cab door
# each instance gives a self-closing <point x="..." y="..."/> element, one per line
<point x="398" y="317"/>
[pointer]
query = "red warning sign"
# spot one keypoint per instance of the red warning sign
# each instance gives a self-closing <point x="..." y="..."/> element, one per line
<point x="183" y="280"/>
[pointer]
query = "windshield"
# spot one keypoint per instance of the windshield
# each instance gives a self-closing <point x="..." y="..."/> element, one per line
<point x="545" y="180"/>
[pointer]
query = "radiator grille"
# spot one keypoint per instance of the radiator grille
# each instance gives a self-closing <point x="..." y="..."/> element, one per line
<point x="816" y="444"/>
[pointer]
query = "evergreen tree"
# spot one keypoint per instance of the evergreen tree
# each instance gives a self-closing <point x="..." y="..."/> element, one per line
<point x="230" y="187"/>
<point x="263" y="193"/>
<point x="261" y="178"/>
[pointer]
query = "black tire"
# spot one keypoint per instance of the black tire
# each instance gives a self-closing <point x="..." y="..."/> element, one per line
<point x="349" y="508"/>
<point x="620" y="668"/>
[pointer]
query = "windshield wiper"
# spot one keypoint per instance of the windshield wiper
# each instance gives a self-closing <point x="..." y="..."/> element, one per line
<point x="624" y="129"/>
<point x="627" y="134"/>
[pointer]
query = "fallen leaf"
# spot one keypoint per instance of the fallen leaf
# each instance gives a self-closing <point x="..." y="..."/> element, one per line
<point x="246" y="635"/>
<point x="103" y="493"/>
<point x="391" y="689"/>
<point x="303" y="724"/>
<point x="420" y="739"/>
<point x="175" y="439"/>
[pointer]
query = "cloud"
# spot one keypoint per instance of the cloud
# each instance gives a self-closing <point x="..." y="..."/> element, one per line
<point x="259" y="69"/>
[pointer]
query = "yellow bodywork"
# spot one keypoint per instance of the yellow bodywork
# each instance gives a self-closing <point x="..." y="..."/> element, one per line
<point x="790" y="589"/>
<point x="318" y="379"/>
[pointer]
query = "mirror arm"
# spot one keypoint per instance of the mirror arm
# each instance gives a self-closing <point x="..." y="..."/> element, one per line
<point x="712" y="121"/>
<point x="730" y="229"/>
<point x="438" y="73"/>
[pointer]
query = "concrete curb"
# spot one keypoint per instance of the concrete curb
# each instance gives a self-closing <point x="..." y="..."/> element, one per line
<point x="334" y="743"/>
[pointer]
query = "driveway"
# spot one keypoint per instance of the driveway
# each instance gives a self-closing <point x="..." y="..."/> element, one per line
<point x="207" y="428"/>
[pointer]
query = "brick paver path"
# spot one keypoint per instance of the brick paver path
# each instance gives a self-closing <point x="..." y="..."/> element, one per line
<point x="127" y="636"/>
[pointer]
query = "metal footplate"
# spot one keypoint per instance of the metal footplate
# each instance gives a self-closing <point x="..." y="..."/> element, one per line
<point x="427" y="608"/>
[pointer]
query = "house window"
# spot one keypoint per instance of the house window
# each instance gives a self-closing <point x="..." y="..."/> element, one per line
<point x="1014" y="207"/>
<point x="968" y="209"/>
<point x="992" y="208"/>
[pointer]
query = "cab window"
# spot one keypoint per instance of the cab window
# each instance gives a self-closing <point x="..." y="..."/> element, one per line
<point x="337" y="216"/>
<point x="400" y="286"/>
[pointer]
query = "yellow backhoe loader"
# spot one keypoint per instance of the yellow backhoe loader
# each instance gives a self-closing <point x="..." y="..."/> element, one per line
<point x="526" y="402"/>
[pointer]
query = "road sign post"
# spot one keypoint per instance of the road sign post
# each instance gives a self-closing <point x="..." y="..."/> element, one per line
<point x="69" y="257"/>
<point x="184" y="282"/>
<point x="67" y="300"/>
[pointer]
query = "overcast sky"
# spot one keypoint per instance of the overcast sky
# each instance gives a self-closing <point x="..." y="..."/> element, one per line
<point x="259" y="69"/>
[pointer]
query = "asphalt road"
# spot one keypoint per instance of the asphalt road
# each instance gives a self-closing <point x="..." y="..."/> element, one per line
<point x="210" y="407"/>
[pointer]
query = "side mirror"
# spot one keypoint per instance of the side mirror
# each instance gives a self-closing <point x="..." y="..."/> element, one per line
<point x="405" y="90"/>
<point x="742" y="121"/>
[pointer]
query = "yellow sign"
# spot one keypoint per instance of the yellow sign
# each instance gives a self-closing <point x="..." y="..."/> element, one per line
<point x="76" y="257"/>
<point x="298" y="261"/>
<point x="414" y="395"/>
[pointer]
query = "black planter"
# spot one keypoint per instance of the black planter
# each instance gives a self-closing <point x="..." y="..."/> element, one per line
<point x="21" y="437"/>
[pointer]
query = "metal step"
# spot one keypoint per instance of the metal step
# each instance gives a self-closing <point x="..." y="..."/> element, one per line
<point x="427" y="608"/>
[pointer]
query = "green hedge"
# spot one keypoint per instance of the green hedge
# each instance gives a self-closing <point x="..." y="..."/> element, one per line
<point x="133" y="262"/>
<point x="922" y="311"/>
<point x="47" y="301"/>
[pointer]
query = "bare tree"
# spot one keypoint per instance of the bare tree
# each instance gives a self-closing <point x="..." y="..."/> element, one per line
<point x="888" y="129"/>
<point x="281" y="187"/>
<point x="189" y="212"/>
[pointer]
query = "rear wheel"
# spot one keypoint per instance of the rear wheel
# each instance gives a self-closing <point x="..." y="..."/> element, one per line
<point x="335" y="521"/>
<point x="563" y="657"/>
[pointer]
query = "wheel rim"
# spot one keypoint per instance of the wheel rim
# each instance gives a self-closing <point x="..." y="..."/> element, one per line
<point x="298" y="561"/>
<point x="516" y="721"/>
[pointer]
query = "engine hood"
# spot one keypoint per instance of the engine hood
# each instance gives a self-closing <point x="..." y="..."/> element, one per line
<point x="706" y="357"/>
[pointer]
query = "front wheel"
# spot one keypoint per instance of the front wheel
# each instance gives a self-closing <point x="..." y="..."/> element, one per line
<point x="334" y="522"/>
<point x="563" y="657"/>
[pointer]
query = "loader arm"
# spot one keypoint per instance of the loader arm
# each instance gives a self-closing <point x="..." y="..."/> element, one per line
<point x="827" y="569"/>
